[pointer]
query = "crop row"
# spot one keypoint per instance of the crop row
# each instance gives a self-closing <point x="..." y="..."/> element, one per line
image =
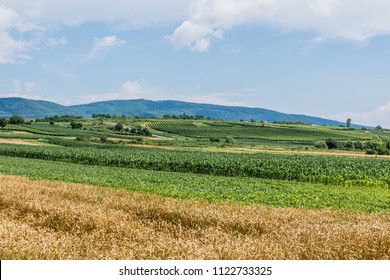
<point x="303" y="168"/>
<point x="251" y="131"/>
<point x="247" y="191"/>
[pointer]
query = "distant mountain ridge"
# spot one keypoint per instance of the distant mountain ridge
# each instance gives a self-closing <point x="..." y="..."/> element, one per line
<point x="147" y="108"/>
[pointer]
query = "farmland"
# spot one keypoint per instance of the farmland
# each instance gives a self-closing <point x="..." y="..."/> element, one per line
<point x="195" y="166"/>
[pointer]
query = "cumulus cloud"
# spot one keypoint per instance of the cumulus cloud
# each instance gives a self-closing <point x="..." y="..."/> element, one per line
<point x="104" y="43"/>
<point x="202" y="21"/>
<point x="12" y="50"/>
<point x="379" y="116"/>
<point x="345" y="19"/>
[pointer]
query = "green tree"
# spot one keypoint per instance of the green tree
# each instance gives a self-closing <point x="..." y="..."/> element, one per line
<point x="75" y="125"/>
<point x="349" y="122"/>
<point x="118" y="127"/>
<point x="3" y="122"/>
<point x="16" y="119"/>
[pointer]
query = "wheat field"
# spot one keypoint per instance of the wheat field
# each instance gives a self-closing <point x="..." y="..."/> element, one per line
<point x="52" y="220"/>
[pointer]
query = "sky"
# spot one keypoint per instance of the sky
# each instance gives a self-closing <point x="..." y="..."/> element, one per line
<point x="326" y="58"/>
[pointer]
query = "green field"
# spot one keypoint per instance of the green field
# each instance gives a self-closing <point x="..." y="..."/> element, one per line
<point x="245" y="191"/>
<point x="192" y="166"/>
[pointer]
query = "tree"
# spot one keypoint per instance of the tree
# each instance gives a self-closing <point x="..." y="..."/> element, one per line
<point x="75" y="125"/>
<point x="3" y="123"/>
<point x="349" y="122"/>
<point x="16" y="119"/>
<point x="118" y="127"/>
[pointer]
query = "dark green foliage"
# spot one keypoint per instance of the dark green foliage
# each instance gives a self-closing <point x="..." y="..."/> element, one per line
<point x="331" y="143"/>
<point x="214" y="139"/>
<point x="64" y="118"/>
<point x="107" y="116"/>
<point x="3" y="122"/>
<point x="118" y="127"/>
<point x="16" y="119"/>
<point x="76" y="125"/>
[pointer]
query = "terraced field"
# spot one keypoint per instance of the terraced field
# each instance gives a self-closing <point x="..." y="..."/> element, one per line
<point x="238" y="130"/>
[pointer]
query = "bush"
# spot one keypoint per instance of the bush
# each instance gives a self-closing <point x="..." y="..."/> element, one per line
<point x="331" y="143"/>
<point x="214" y="139"/>
<point x="320" y="144"/>
<point x="359" y="145"/>
<point x="230" y="140"/>
<point x="378" y="146"/>
<point x="349" y="145"/>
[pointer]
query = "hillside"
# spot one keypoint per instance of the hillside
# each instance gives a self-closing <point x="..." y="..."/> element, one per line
<point x="31" y="108"/>
<point x="146" y="108"/>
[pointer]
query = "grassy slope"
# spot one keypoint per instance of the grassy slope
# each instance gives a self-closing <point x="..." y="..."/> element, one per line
<point x="247" y="191"/>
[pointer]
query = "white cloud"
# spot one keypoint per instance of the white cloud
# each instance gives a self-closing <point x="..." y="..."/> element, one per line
<point x="379" y="116"/>
<point x="12" y="50"/>
<point x="203" y="21"/>
<point x="130" y="13"/>
<point x="104" y="43"/>
<point x="23" y="89"/>
<point x="345" y="19"/>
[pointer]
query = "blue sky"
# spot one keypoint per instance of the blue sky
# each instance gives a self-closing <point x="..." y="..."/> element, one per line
<point x="327" y="58"/>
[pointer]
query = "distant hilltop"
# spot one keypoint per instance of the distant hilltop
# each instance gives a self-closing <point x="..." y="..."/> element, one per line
<point x="147" y="108"/>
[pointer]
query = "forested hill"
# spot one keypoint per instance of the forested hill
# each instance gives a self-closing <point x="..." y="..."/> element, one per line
<point x="146" y="108"/>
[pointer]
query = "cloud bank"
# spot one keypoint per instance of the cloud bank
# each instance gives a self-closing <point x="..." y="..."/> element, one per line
<point x="379" y="116"/>
<point x="199" y="22"/>
<point x="344" y="19"/>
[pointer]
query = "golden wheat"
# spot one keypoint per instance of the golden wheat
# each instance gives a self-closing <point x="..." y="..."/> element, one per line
<point x="51" y="220"/>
